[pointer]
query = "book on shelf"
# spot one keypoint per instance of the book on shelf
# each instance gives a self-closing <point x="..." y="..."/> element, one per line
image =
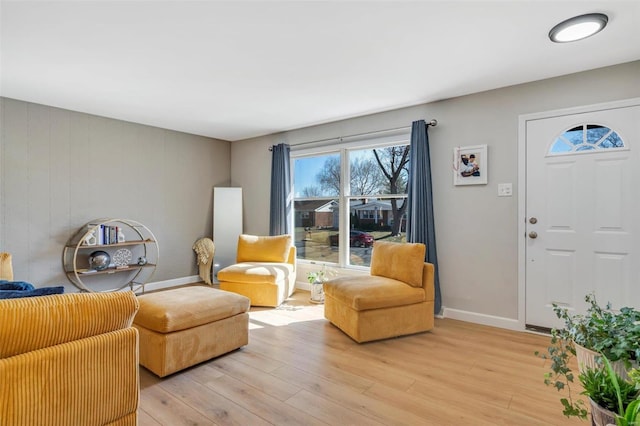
<point x="108" y="234"/>
<point x="100" y="232"/>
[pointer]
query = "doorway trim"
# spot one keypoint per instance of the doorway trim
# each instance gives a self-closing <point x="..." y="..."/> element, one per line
<point x="522" y="184"/>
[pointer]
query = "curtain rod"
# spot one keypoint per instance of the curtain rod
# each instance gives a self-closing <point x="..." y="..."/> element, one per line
<point x="433" y="123"/>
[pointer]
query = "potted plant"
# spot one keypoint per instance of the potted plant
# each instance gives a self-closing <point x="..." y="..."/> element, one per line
<point x="616" y="335"/>
<point x="609" y="394"/>
<point x="628" y="413"/>
<point x="317" y="279"/>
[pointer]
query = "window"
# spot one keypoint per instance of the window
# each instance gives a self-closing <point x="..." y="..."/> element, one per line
<point x="347" y="199"/>
<point x="316" y="206"/>
<point x="367" y="214"/>
<point x="586" y="138"/>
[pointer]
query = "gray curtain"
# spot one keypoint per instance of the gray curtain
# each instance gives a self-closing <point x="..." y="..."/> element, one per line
<point x="420" y="224"/>
<point x="281" y="197"/>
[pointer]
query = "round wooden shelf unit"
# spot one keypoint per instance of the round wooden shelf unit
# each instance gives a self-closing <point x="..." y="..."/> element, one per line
<point x="111" y="235"/>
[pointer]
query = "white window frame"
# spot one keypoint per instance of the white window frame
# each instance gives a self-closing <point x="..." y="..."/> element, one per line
<point x="343" y="146"/>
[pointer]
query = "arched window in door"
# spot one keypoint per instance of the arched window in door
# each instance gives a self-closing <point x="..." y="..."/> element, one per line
<point x="586" y="138"/>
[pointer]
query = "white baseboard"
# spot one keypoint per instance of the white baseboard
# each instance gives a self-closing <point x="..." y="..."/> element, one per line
<point x="476" y="318"/>
<point x="303" y="285"/>
<point x="172" y="283"/>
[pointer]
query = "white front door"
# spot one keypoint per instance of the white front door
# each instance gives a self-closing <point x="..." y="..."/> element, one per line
<point x="582" y="211"/>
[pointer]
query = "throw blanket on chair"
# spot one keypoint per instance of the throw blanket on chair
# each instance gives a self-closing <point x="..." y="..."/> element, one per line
<point x="15" y="289"/>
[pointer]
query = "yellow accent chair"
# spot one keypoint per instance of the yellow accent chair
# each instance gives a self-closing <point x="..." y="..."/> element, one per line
<point x="265" y="271"/>
<point x="6" y="268"/>
<point x="396" y="299"/>
<point x="69" y="359"/>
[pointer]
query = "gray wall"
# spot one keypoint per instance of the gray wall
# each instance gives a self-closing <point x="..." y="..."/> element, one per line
<point x="476" y="231"/>
<point x="61" y="169"/>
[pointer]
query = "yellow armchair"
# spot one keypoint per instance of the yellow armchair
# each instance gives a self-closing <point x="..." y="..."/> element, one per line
<point x="69" y="359"/>
<point x="396" y="299"/>
<point x="265" y="271"/>
<point x="6" y="268"/>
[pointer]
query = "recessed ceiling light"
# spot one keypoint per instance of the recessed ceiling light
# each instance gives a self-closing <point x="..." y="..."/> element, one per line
<point x="578" y="27"/>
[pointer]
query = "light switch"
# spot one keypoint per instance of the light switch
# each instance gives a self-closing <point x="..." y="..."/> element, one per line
<point x="505" y="190"/>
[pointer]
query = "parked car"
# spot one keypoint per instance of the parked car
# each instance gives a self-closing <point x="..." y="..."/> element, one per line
<point x="356" y="239"/>
<point x="360" y="239"/>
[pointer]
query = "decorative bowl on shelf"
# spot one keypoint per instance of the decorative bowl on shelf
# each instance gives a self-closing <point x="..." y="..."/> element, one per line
<point x="122" y="258"/>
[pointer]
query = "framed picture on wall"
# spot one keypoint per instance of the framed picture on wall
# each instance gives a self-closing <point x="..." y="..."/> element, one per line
<point x="470" y="165"/>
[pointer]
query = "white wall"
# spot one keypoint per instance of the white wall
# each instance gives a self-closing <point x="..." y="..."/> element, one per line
<point x="61" y="169"/>
<point x="476" y="231"/>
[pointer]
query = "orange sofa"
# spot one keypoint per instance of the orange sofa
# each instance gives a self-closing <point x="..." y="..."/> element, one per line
<point x="69" y="359"/>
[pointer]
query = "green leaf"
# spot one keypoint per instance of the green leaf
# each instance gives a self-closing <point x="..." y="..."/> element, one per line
<point x="632" y="414"/>
<point x="613" y="377"/>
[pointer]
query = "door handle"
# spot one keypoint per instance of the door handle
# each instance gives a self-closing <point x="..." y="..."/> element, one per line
<point x="533" y="235"/>
<point x="533" y="220"/>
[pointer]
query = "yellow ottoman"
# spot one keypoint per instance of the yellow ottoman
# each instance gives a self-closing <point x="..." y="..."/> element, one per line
<point x="185" y="326"/>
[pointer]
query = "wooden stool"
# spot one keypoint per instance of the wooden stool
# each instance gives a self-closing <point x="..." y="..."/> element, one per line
<point x="185" y="326"/>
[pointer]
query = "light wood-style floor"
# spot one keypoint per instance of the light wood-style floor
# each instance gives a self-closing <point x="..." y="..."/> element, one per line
<point x="298" y="369"/>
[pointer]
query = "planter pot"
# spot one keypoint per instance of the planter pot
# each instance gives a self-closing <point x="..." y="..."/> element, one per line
<point x="600" y="416"/>
<point x="317" y="292"/>
<point x="587" y="358"/>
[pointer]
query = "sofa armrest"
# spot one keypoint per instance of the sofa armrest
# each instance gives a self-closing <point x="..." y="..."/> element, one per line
<point x="91" y="381"/>
<point x="32" y="323"/>
<point x="428" y="274"/>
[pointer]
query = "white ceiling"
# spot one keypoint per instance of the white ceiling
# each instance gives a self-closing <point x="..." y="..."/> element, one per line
<point x="238" y="69"/>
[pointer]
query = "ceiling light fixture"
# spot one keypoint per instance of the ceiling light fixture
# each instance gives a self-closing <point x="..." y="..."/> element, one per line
<point x="578" y="27"/>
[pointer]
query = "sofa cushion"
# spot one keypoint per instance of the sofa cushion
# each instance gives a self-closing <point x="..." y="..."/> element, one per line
<point x="399" y="261"/>
<point x="253" y="248"/>
<point x="256" y="272"/>
<point x="372" y="292"/>
<point x="187" y="307"/>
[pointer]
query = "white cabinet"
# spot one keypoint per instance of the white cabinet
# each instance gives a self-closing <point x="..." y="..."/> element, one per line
<point x="131" y="255"/>
<point x="227" y="225"/>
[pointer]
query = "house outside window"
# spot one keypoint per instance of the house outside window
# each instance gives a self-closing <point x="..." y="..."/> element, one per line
<point x="346" y="198"/>
<point x="367" y="214"/>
